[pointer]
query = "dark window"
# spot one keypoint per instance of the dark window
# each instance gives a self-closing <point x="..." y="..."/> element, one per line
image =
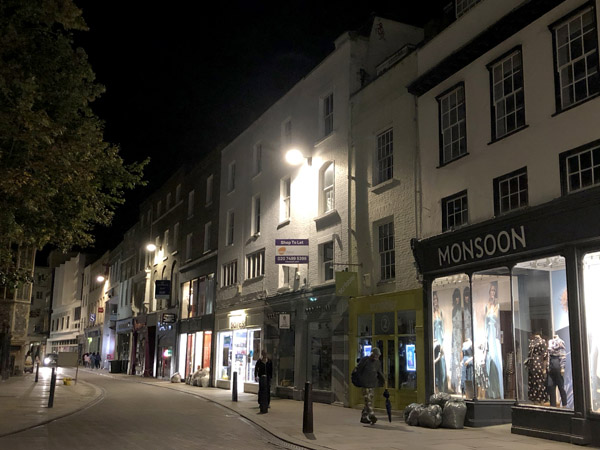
<point x="455" y="211"/>
<point x="511" y="191"/>
<point x="453" y="128"/>
<point x="580" y="168"/>
<point x="387" y="252"/>
<point x="385" y="156"/>
<point x="508" y="101"/>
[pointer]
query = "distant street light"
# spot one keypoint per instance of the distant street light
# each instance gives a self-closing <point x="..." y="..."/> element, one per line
<point x="295" y="157"/>
<point x="150" y="247"/>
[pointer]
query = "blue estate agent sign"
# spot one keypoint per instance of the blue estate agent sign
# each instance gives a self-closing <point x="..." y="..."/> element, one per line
<point x="291" y="251"/>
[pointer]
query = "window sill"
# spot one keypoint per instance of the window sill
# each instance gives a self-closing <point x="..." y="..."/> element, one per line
<point x="250" y="281"/>
<point x="255" y="176"/>
<point x="329" y="218"/>
<point x="324" y="138"/>
<point x="451" y="161"/>
<point x="174" y="252"/>
<point x="191" y="216"/>
<point x="208" y="205"/>
<point x="493" y="141"/>
<point x="385" y="186"/>
<point x="206" y="251"/>
<point x="231" y="191"/>
<point x="575" y="105"/>
<point x="283" y="223"/>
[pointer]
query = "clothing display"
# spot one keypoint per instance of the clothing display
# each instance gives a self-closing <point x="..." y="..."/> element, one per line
<point x="468" y="330"/>
<point x="493" y="358"/>
<point x="457" y="340"/>
<point x="467" y="373"/>
<point x="438" y="353"/>
<point x="556" y="368"/>
<point x="537" y="363"/>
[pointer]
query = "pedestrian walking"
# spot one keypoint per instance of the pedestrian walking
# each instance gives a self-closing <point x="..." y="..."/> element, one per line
<point x="264" y="366"/>
<point x="86" y="360"/>
<point x="98" y="360"/>
<point x="93" y="360"/>
<point x="370" y="376"/>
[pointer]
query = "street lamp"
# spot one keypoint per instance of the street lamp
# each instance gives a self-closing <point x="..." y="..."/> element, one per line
<point x="295" y="157"/>
<point x="151" y="247"/>
<point x="100" y="278"/>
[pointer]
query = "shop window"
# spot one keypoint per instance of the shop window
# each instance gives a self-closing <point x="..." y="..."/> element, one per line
<point x="543" y="347"/>
<point x="407" y="349"/>
<point x="224" y="355"/>
<point x="452" y="335"/>
<point x="455" y="211"/>
<point x="492" y="334"/>
<point x="385" y="156"/>
<point x="185" y="300"/>
<point x="320" y="355"/>
<point x="286" y="357"/>
<point x="327" y="187"/>
<point x="591" y="287"/>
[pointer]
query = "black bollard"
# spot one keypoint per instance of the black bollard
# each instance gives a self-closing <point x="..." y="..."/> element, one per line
<point x="37" y="372"/>
<point x="307" y="419"/>
<point x="263" y="394"/>
<point x="234" y="388"/>
<point x="52" y="387"/>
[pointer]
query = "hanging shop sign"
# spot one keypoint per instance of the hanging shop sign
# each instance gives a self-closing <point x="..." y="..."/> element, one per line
<point x="162" y="289"/>
<point x="291" y="251"/>
<point x="346" y="284"/>
<point x="100" y="309"/>
<point x="284" y="321"/>
<point x="92" y="317"/>
<point x="168" y="318"/>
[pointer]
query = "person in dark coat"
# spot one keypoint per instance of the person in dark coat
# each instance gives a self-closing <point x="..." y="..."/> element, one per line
<point x="371" y="376"/>
<point x="264" y="366"/>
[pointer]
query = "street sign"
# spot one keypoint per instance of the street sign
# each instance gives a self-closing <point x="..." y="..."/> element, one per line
<point x="291" y="251"/>
<point x="162" y="289"/>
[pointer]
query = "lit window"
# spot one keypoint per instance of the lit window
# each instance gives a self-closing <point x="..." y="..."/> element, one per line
<point x="576" y="55"/>
<point x="327" y="187"/>
<point x="286" y="188"/>
<point x="510" y="191"/>
<point x="454" y="211"/>
<point x="385" y="156"/>
<point x="508" y="107"/>
<point x="229" y="272"/>
<point x="328" y="115"/>
<point x="255" y="264"/>
<point x="453" y="134"/>
<point x="387" y="252"/>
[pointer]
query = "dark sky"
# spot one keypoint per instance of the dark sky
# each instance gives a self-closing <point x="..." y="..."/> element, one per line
<point x="182" y="78"/>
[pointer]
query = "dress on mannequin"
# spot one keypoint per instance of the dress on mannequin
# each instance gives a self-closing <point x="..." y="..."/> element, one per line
<point x="556" y="370"/>
<point x="493" y="360"/>
<point x="537" y="364"/>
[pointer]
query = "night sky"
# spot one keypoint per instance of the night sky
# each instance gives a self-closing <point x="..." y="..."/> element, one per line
<point x="182" y="80"/>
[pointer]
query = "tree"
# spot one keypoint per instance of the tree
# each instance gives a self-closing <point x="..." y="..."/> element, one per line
<point x="58" y="177"/>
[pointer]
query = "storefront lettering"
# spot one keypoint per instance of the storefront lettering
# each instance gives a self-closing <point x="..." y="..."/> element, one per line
<point x="489" y="245"/>
<point x="237" y="325"/>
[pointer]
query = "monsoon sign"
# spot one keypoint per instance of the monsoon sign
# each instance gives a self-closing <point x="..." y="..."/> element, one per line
<point x="291" y="251"/>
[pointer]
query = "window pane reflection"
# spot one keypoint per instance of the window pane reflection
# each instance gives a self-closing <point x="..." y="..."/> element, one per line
<point x="591" y="288"/>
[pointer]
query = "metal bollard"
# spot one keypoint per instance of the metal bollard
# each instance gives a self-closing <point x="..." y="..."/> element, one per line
<point x="234" y="396"/>
<point x="52" y="387"/>
<point x="307" y="419"/>
<point x="263" y="394"/>
<point x="37" y="372"/>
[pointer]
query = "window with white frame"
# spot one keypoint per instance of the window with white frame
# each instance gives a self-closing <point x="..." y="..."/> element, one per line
<point x="209" y="190"/>
<point x="178" y="193"/>
<point x="287" y="276"/>
<point x="255" y="264"/>
<point x="580" y="168"/>
<point x="387" y="252"/>
<point x="190" y="211"/>
<point x="175" y="236"/>
<point x="287" y="132"/>
<point x="385" y="156"/>
<point x="326" y="257"/>
<point x="576" y="54"/>
<point x="508" y="100"/>
<point x="462" y="6"/>
<point x="257" y="159"/>
<point x="327" y="110"/>
<point x="455" y="211"/>
<point x="168" y="202"/>
<point x="285" y="196"/>
<point x="511" y="191"/>
<point x="230" y="228"/>
<point x="256" y="215"/>
<point x="229" y="274"/>
<point x="231" y="177"/>
<point x="207" y="230"/>
<point x="327" y="187"/>
<point x="453" y="129"/>
<point x="188" y="246"/>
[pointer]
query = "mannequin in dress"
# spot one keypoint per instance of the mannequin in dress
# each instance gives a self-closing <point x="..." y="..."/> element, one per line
<point x="438" y="340"/>
<point x="457" y="340"/>
<point x="467" y="375"/>
<point x="537" y="363"/>
<point x="493" y="358"/>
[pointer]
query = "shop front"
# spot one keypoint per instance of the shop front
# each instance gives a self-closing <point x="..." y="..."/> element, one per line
<point x="394" y="323"/>
<point x="239" y="343"/>
<point x="165" y="342"/>
<point x="124" y="329"/>
<point x="194" y="348"/>
<point x="511" y="318"/>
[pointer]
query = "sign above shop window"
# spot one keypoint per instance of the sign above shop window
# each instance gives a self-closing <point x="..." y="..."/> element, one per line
<point x="162" y="289"/>
<point x="237" y="321"/>
<point x="168" y="318"/>
<point x="291" y="251"/>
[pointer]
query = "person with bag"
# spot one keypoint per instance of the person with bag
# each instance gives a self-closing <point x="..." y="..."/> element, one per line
<point x="369" y="376"/>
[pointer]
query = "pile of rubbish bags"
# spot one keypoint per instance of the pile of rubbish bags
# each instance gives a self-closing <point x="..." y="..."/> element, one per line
<point x="441" y="410"/>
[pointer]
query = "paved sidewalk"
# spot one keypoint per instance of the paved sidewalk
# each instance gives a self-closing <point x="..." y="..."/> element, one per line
<point x="336" y="427"/>
<point x="24" y="403"/>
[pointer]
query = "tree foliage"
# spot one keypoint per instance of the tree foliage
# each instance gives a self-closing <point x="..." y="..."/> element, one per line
<point x="58" y="177"/>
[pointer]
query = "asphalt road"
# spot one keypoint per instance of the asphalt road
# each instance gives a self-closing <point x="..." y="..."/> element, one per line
<point x="134" y="416"/>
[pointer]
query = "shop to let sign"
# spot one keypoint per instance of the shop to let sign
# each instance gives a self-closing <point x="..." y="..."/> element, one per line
<point x="291" y="251"/>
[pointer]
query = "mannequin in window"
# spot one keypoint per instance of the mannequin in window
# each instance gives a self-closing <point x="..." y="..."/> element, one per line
<point x="537" y="363"/>
<point x="493" y="357"/>
<point x="557" y="354"/>
<point x="467" y="375"/>
<point x="438" y="346"/>
<point x="467" y="322"/>
<point x="457" y="340"/>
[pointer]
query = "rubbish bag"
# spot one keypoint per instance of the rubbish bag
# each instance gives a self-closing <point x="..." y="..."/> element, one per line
<point x="413" y="417"/>
<point x="431" y="416"/>
<point x="454" y="414"/>
<point x="409" y="409"/>
<point x="439" y="399"/>
<point x="176" y="378"/>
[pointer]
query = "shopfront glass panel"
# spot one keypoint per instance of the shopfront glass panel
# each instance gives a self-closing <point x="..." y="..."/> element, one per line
<point x="207" y="349"/>
<point x="452" y="335"/>
<point x="225" y="355"/>
<point x="197" y="365"/>
<point x="240" y="353"/>
<point x="189" y="363"/>
<point x="365" y="322"/>
<point x="254" y="340"/>
<point x="201" y="296"/>
<point x="390" y="363"/>
<point x="286" y="355"/>
<point x="320" y="347"/>
<point x="591" y="292"/>
<point x="492" y="334"/>
<point x="543" y="346"/>
<point x="185" y="300"/>
<point x="194" y="296"/>
<point x="407" y="353"/>
<point x="182" y="354"/>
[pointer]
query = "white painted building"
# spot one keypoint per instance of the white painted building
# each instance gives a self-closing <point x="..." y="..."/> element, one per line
<point x="507" y="100"/>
